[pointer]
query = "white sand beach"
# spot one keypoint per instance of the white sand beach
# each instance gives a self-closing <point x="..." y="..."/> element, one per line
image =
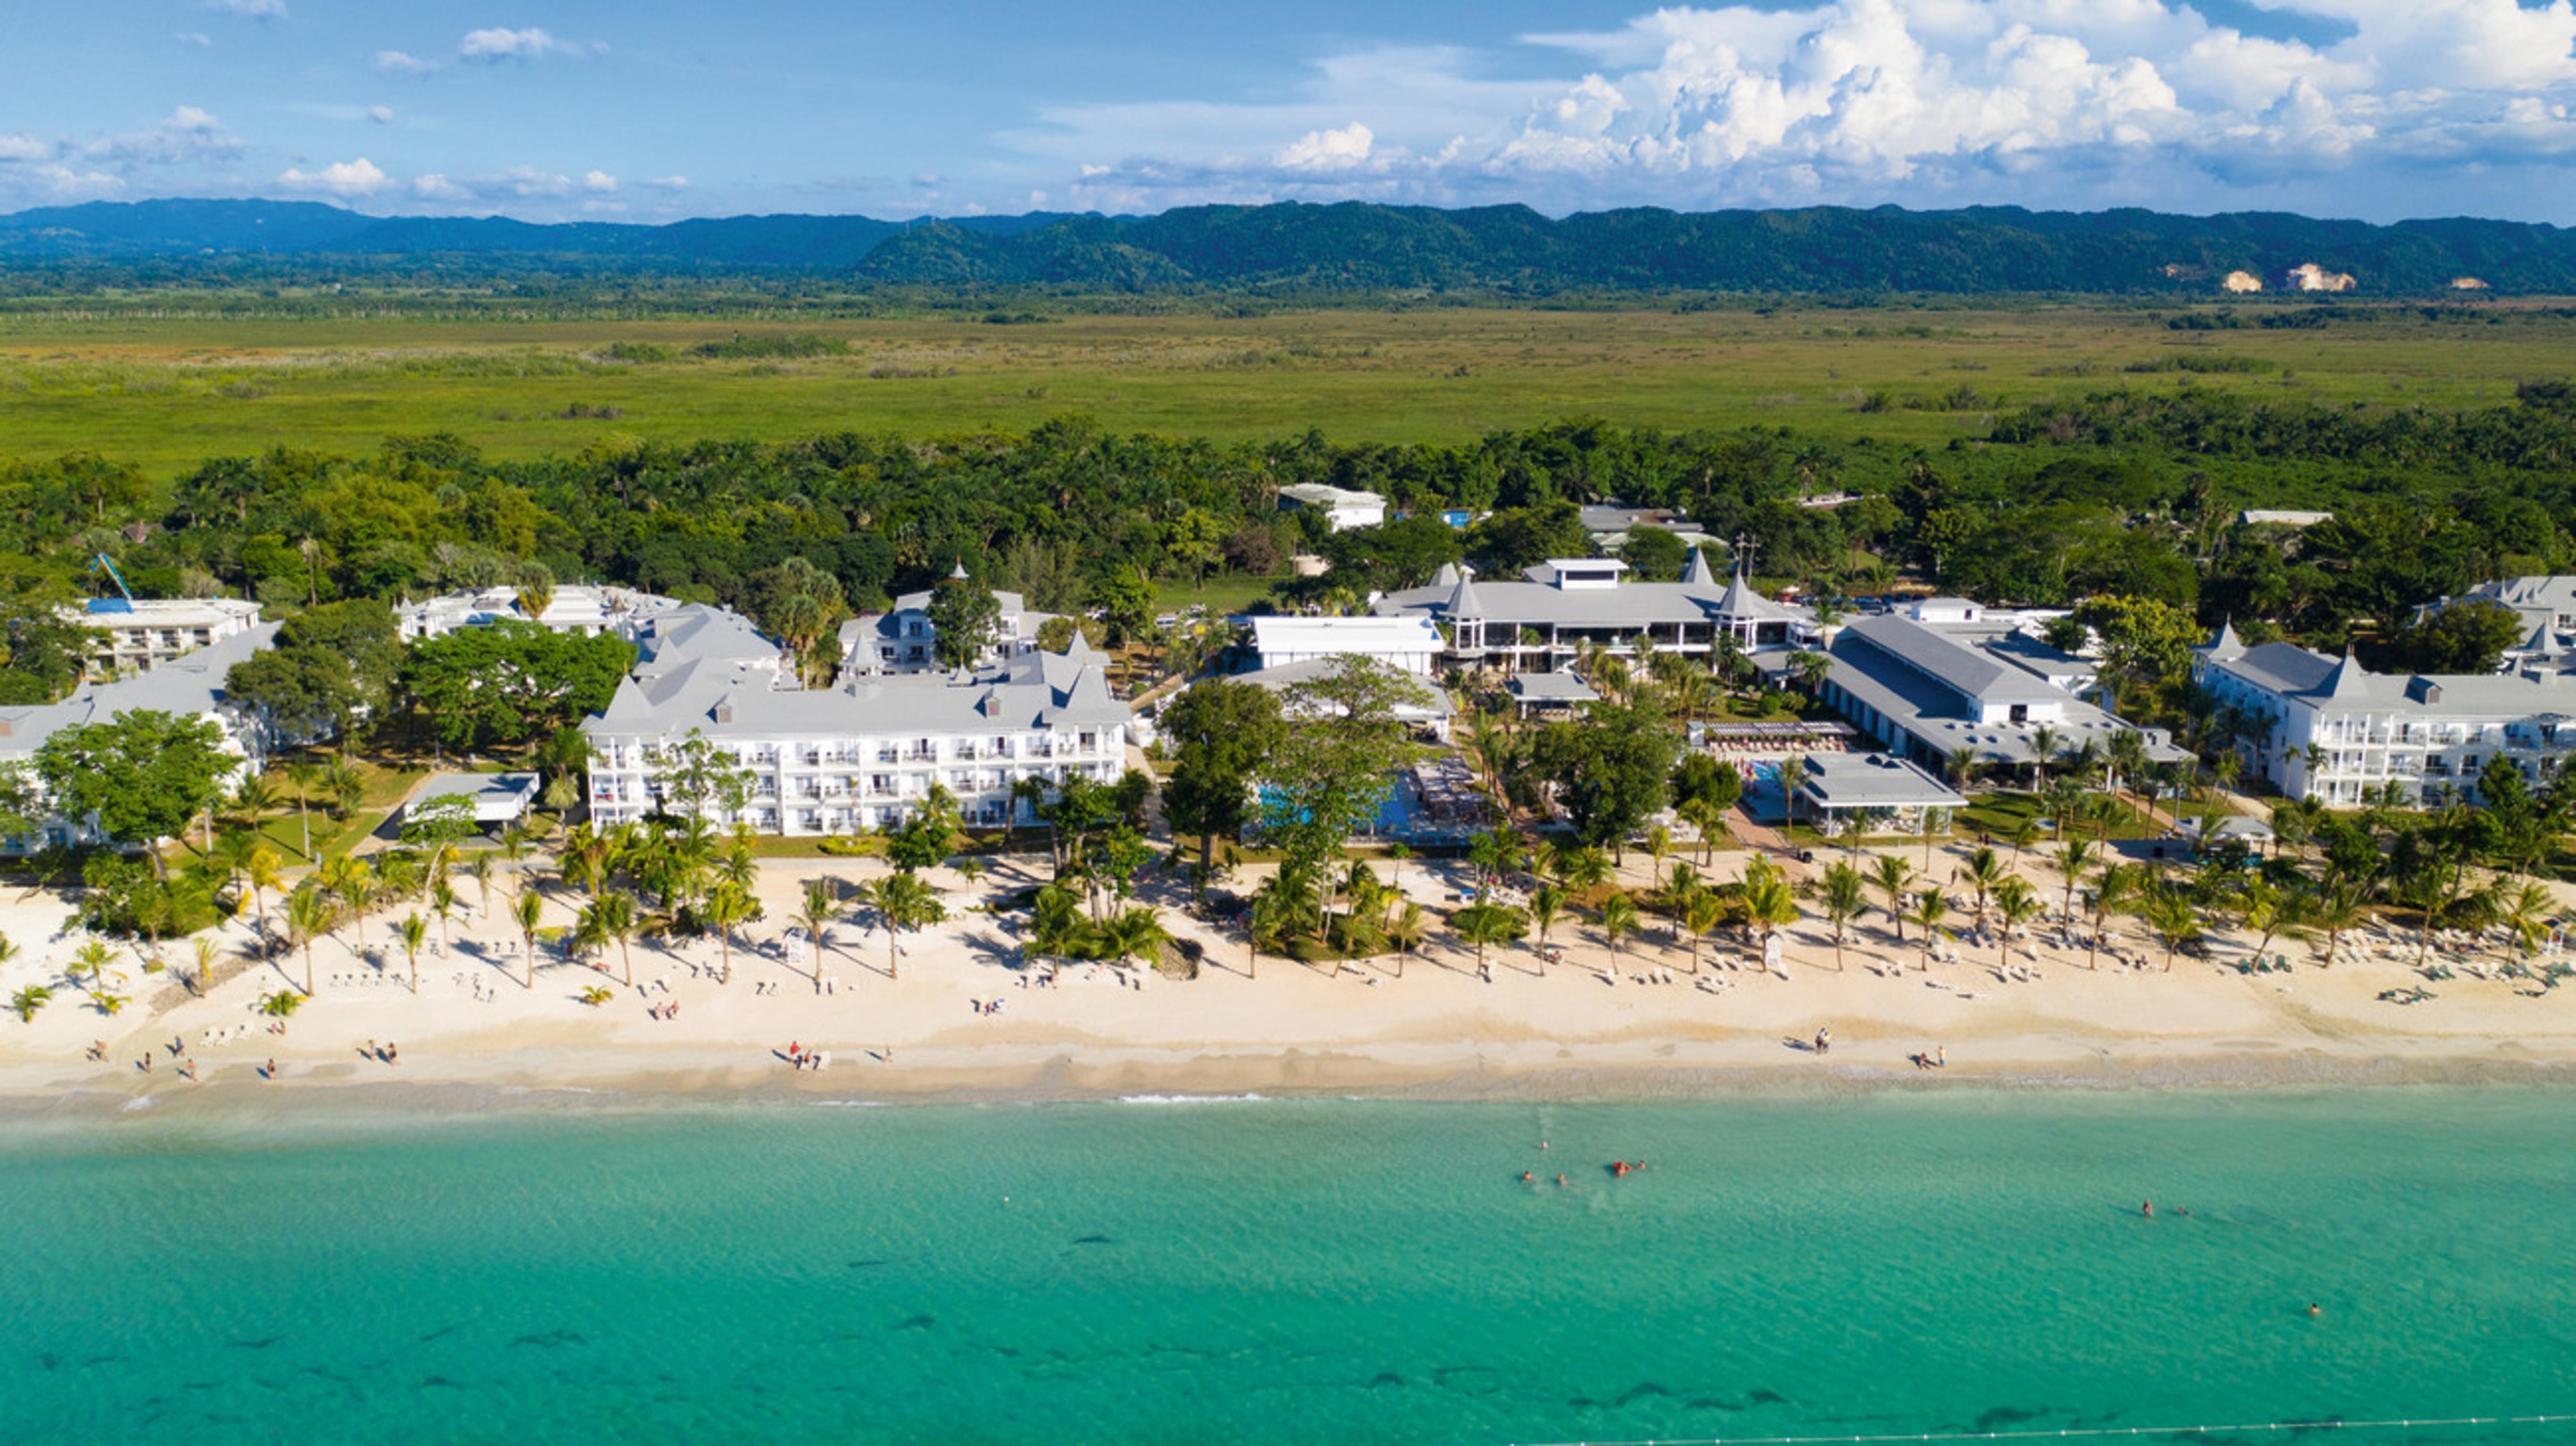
<point x="1593" y="1023"/>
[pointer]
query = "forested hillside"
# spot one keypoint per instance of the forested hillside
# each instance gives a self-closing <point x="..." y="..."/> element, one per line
<point x="1349" y="248"/>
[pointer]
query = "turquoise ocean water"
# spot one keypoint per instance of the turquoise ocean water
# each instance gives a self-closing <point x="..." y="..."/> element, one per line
<point x="1297" y="1271"/>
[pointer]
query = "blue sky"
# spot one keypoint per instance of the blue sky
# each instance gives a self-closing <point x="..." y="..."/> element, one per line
<point x="649" y="110"/>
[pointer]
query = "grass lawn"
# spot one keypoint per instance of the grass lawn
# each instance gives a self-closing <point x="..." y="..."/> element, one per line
<point x="1219" y="595"/>
<point x="2000" y="815"/>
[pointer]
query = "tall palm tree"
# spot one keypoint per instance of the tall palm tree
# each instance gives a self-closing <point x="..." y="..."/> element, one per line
<point x="1983" y="871"/>
<point x="478" y="867"/>
<point x="905" y="901"/>
<point x="263" y="870"/>
<point x="2016" y="904"/>
<point x="308" y="917"/>
<point x="1894" y="878"/>
<point x="1962" y="764"/>
<point x="1396" y="854"/>
<point x="442" y="902"/>
<point x="1702" y="914"/>
<point x="2172" y="914"/>
<point x="2074" y="859"/>
<point x="411" y="933"/>
<point x="1545" y="906"/>
<point x="1929" y="910"/>
<point x="2525" y="911"/>
<point x="1845" y="895"/>
<point x="2112" y="889"/>
<point x="1770" y="905"/>
<point x="728" y="907"/>
<point x="1584" y="869"/>
<point x="1618" y="920"/>
<point x="1138" y="933"/>
<point x="1405" y="927"/>
<point x="2043" y="749"/>
<point x="305" y="776"/>
<point x="529" y="910"/>
<point x="612" y="916"/>
<point x="822" y="906"/>
<point x="343" y="785"/>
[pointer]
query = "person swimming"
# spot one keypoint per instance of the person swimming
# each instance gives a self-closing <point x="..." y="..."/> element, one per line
<point x="1525" y="1177"/>
<point x="2148" y="1210"/>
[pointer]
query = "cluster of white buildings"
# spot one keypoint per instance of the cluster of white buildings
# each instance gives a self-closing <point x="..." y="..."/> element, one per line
<point x="574" y="607"/>
<point x="904" y="640"/>
<point x="1557" y="609"/>
<point x="136" y="636"/>
<point x="187" y="686"/>
<point x="860" y="755"/>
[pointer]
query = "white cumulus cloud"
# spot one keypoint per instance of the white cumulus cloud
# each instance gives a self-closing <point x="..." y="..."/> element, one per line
<point x="598" y="182"/>
<point x="346" y="179"/>
<point x="382" y="115"/>
<point x="21" y="150"/>
<point x="187" y="134"/>
<point x="499" y="43"/>
<point x="1926" y="102"/>
<point x="667" y="183"/>
<point x="396" y="62"/>
<point x="253" y="9"/>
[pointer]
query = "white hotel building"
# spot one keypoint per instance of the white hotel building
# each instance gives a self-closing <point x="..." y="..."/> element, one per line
<point x="2422" y="732"/>
<point x="858" y="756"/>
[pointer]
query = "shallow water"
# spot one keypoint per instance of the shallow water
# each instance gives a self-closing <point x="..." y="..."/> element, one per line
<point x="1298" y="1270"/>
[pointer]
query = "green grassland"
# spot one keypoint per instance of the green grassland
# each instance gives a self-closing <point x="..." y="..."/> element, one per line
<point x="165" y="391"/>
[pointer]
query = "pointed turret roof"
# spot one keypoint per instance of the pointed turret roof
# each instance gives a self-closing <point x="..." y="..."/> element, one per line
<point x="2226" y="645"/>
<point x="1700" y="574"/>
<point x="1447" y="576"/>
<point x="2540" y="643"/>
<point x="1463" y="601"/>
<point x="2347" y="682"/>
<point x="1741" y="601"/>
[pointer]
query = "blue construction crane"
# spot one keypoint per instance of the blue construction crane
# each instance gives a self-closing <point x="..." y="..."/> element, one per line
<point x="123" y="604"/>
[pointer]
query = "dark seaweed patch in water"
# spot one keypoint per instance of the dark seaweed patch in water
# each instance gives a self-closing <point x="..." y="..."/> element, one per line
<point x="199" y="1385"/>
<point x="552" y="1339"/>
<point x="1469" y="1380"/>
<point x="1385" y="1379"/>
<point x="441" y="1381"/>
<point x="49" y="1360"/>
<point x="258" y="1345"/>
<point x="865" y="1264"/>
<point x="1093" y="1240"/>
<point x="445" y="1330"/>
<point x="1767" y="1398"/>
<point x="101" y="1360"/>
<point x="1996" y="1417"/>
<point x="919" y="1323"/>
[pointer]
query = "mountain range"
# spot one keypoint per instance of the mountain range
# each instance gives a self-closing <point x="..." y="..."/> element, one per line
<point x="1357" y="247"/>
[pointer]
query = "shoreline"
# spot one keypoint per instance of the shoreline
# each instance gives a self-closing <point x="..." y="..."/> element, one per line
<point x="1287" y="1077"/>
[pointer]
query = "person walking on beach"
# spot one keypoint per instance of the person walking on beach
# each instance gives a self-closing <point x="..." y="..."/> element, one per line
<point x="1824" y="1041"/>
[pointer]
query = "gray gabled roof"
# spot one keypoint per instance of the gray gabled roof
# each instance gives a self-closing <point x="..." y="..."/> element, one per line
<point x="1034" y="692"/>
<point x="187" y="686"/>
<point x="1956" y="667"/>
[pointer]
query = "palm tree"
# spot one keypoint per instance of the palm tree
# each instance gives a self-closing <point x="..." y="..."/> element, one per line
<point x="1894" y="878"/>
<point x="304" y="775"/>
<point x="2111" y="891"/>
<point x="529" y="909"/>
<point x="2016" y="904"/>
<point x="612" y="916"/>
<point x="2523" y="910"/>
<point x="2338" y="909"/>
<point x="1618" y="920"/>
<point x="478" y="867"/>
<point x="442" y="902"/>
<point x="1705" y="820"/>
<point x="1981" y="873"/>
<point x="263" y="870"/>
<point x="1138" y="933"/>
<point x="1584" y="870"/>
<point x="821" y="908"/>
<point x="308" y="917"/>
<point x="1769" y="903"/>
<point x="1962" y="763"/>
<point x="1405" y="926"/>
<point x="2043" y="748"/>
<point x="2274" y="912"/>
<point x="2074" y="859"/>
<point x="1929" y="910"/>
<point x="2173" y="916"/>
<point x="1846" y="894"/>
<point x="905" y="901"/>
<point x="1702" y="914"/>
<point x="94" y="957"/>
<point x="412" y="932"/>
<point x="1659" y="845"/>
<point x="1396" y="854"/>
<point x="202" y="946"/>
<point x="1545" y="906"/>
<point x="1483" y="924"/>
<point x="344" y="785"/>
<point x="728" y="906"/>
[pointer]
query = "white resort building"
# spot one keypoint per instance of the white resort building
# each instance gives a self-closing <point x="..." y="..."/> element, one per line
<point x="138" y="636"/>
<point x="2329" y="729"/>
<point x="1342" y="507"/>
<point x="574" y="607"/>
<point x="1926" y="690"/>
<point x="191" y="686"/>
<point x="859" y="755"/>
<point x="905" y="641"/>
<point x="1540" y="623"/>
